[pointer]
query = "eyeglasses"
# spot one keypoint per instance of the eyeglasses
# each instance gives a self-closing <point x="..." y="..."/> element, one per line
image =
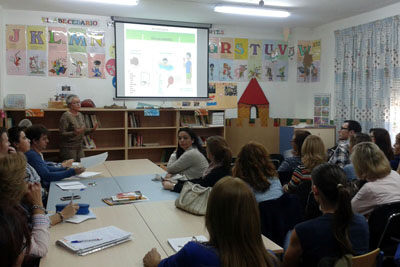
<point x="75" y="103"/>
<point x="343" y="128"/>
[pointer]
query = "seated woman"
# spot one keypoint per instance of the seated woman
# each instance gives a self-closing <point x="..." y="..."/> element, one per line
<point x="290" y="163"/>
<point x="233" y="222"/>
<point x="220" y="155"/>
<point x="38" y="134"/>
<point x="189" y="157"/>
<point x="15" y="237"/>
<point x="312" y="155"/>
<point x="383" y="186"/>
<point x="354" y="140"/>
<point x="5" y="147"/>
<point x="396" y="150"/>
<point x="381" y="138"/>
<point x="335" y="233"/>
<point x="254" y="166"/>
<point x="22" y="144"/>
<point x="13" y="189"/>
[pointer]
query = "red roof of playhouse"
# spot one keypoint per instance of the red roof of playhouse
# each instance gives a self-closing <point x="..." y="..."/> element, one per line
<point x="253" y="95"/>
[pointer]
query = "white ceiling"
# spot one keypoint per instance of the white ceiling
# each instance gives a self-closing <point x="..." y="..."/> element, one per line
<point x="305" y="13"/>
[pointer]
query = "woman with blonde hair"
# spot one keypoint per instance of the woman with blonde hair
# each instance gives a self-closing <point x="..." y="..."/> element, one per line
<point x="312" y="154"/>
<point x="220" y="155"/>
<point x="253" y="165"/>
<point x="13" y="188"/>
<point x="383" y="186"/>
<point x="233" y="222"/>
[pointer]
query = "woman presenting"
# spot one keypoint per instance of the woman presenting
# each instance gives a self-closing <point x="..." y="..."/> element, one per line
<point x="72" y="130"/>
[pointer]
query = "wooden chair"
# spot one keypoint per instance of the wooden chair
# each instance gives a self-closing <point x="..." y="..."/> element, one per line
<point x="370" y="259"/>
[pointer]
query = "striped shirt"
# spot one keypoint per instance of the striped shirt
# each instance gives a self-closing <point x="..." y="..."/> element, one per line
<point x="300" y="174"/>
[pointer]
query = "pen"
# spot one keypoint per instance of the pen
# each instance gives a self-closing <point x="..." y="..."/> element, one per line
<point x="85" y="240"/>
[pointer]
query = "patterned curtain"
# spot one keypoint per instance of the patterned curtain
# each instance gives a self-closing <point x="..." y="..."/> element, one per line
<point x="367" y="75"/>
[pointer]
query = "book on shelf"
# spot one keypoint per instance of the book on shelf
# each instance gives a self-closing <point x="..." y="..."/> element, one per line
<point x="89" y="142"/>
<point x="134" y="120"/>
<point x="217" y="119"/>
<point x="135" y="139"/>
<point x="151" y="144"/>
<point x="95" y="240"/>
<point x="91" y="120"/>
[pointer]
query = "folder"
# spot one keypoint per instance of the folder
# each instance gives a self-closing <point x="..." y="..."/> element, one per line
<point x="95" y="240"/>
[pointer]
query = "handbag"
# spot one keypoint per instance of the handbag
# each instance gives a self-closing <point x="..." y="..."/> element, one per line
<point x="193" y="198"/>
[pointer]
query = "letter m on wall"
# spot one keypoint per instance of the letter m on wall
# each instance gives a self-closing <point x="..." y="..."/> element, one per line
<point x="77" y="39"/>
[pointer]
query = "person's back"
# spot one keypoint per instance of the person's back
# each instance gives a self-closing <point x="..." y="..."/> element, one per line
<point x="233" y="223"/>
<point x="335" y="233"/>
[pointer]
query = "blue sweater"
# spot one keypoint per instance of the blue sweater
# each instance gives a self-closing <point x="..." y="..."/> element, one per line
<point x="193" y="254"/>
<point x="47" y="173"/>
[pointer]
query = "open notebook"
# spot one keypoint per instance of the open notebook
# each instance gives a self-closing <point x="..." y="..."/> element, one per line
<point x="178" y="243"/>
<point x="94" y="240"/>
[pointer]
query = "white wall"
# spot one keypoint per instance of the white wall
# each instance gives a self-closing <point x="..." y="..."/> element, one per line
<point x="287" y="99"/>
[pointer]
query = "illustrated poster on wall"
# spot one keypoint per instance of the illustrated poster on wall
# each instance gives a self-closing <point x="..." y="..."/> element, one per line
<point x="57" y="63"/>
<point x="96" y="66"/>
<point x="37" y="62"/>
<point x="77" y="40"/>
<point x="96" y="42"/>
<point x="322" y="105"/>
<point x="77" y="65"/>
<point x="308" y="61"/>
<point x="16" y="50"/>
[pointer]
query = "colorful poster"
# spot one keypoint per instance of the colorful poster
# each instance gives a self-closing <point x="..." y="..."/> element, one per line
<point x="241" y="48"/>
<point x="96" y="66"/>
<point x="213" y="44"/>
<point x="226" y="48"/>
<point x="16" y="62"/>
<point x="308" y="61"/>
<point x="213" y="69"/>
<point x="15" y="37"/>
<point x="255" y="50"/>
<point x="96" y="42"/>
<point x="226" y="70"/>
<point x="240" y="70"/>
<point x="36" y="38"/>
<point x="77" y="65"/>
<point x="37" y="63"/>
<point x="58" y="64"/>
<point x="57" y="39"/>
<point x="322" y="106"/>
<point x="77" y="40"/>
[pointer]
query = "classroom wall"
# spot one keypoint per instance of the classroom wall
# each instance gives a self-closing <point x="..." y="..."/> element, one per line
<point x="326" y="33"/>
<point x="287" y="99"/>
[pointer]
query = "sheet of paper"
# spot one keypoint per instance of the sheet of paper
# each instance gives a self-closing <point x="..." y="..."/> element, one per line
<point x="71" y="185"/>
<point x="178" y="243"/>
<point x="87" y="174"/>
<point x="80" y="218"/>
<point x="94" y="160"/>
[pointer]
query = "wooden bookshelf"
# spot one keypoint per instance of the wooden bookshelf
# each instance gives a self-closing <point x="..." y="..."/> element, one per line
<point x="158" y="133"/>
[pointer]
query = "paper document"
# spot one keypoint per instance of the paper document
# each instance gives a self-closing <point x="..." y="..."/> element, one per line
<point x="94" y="160"/>
<point x="178" y="243"/>
<point x="80" y="218"/>
<point x="95" y="240"/>
<point x="71" y="185"/>
<point x="87" y="174"/>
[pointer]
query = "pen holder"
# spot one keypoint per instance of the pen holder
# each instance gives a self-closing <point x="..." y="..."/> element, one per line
<point x="83" y="208"/>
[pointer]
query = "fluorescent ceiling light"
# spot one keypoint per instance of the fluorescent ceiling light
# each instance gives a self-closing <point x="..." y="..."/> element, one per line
<point x="116" y="2"/>
<point x="256" y="2"/>
<point x="252" y="11"/>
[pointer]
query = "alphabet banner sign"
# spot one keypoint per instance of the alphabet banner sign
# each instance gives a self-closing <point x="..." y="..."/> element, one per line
<point x="239" y="60"/>
<point x="55" y="51"/>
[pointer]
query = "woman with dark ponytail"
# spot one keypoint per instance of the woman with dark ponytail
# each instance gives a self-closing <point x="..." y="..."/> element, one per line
<point x="337" y="231"/>
<point x="220" y="155"/>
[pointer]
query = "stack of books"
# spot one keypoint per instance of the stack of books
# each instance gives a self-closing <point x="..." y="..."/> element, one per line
<point x="134" y="120"/>
<point x="125" y="198"/>
<point x="89" y="142"/>
<point x="91" y="120"/>
<point x="217" y="119"/>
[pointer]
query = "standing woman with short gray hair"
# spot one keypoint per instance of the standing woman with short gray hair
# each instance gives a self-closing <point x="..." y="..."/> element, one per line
<point x="72" y="130"/>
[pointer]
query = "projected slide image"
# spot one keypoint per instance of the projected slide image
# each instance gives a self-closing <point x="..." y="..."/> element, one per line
<point x="160" y="61"/>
